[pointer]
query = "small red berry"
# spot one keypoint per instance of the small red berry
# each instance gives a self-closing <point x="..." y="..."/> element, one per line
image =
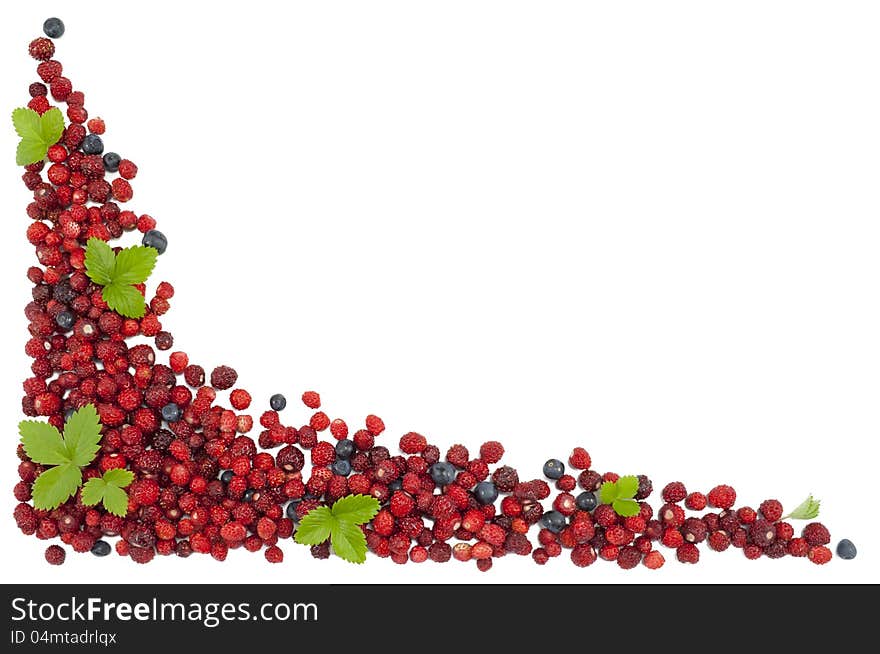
<point x="771" y="510"/>
<point x="55" y="554"/>
<point x="695" y="501"/>
<point x="688" y="553"/>
<point x="654" y="560"/>
<point x="819" y="554"/>
<point x="491" y="451"/>
<point x="580" y="459"/>
<point x="674" y="492"/>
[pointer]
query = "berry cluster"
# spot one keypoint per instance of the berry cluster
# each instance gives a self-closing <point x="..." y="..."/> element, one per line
<point x="210" y="478"/>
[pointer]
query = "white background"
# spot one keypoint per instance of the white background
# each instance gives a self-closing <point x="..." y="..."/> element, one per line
<point x="646" y="228"/>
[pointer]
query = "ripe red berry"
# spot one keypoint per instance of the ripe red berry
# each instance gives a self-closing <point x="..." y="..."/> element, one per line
<point x="654" y="560"/>
<point x="223" y="377"/>
<point x="311" y="399"/>
<point x="274" y="554"/>
<point x="55" y="555"/>
<point x="688" y="553"/>
<point x="41" y="49"/>
<point x="583" y="555"/>
<point x="771" y="510"/>
<point x="819" y="554"/>
<point x="579" y="459"/>
<point x="491" y="451"/>
<point x="816" y="533"/>
<point x="375" y="425"/>
<point x="719" y="541"/>
<point x="722" y="497"/>
<point x="674" y="492"/>
<point x="695" y="501"/>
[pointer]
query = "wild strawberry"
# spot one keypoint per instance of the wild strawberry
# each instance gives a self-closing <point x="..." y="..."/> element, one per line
<point x="579" y="459"/>
<point x="42" y="49"/>
<point x="771" y="510"/>
<point x="653" y="560"/>
<point x="674" y="492"/>
<point x="311" y="399"/>
<point x="695" y="501"/>
<point x="240" y="399"/>
<point x="144" y="492"/>
<point x="672" y="537"/>
<point x="719" y="541"/>
<point x="583" y="555"/>
<point x="671" y="515"/>
<point x="323" y="454"/>
<point x="819" y="554"/>
<point x="815" y="534"/>
<point x="491" y="451"/>
<point x="798" y="547"/>
<point x="375" y="425"/>
<point x="746" y="515"/>
<point x="688" y="553"/>
<point x="412" y="443"/>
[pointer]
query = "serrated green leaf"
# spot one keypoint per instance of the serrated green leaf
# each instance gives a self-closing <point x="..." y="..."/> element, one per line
<point x="608" y="492"/>
<point x="348" y="541"/>
<point x="51" y="126"/>
<point x="806" y="510"/>
<point x="29" y="151"/>
<point x="118" y="477"/>
<point x="116" y="501"/>
<point x="625" y="507"/>
<point x="100" y="261"/>
<point x="356" y="509"/>
<point x="82" y="433"/>
<point x="93" y="491"/>
<point x="56" y="485"/>
<point x="314" y="527"/>
<point x="125" y="300"/>
<point x="43" y="443"/>
<point x="27" y="123"/>
<point x="134" y="264"/>
<point x="627" y="487"/>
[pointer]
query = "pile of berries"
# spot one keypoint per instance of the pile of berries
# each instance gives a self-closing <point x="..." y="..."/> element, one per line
<point x="211" y="477"/>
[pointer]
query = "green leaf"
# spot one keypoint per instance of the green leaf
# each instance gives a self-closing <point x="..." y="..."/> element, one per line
<point x="37" y="133"/>
<point x="118" y="477"/>
<point x="51" y="126"/>
<point x="608" y="492"/>
<point x="806" y="510"/>
<point x="116" y="501"/>
<point x="625" y="507"/>
<point x="100" y="261"/>
<point x="82" y="433"/>
<point x="356" y="509"/>
<point x="107" y="489"/>
<point x="43" y="443"/>
<point x="134" y="264"/>
<point x="56" y="486"/>
<point x="314" y="528"/>
<point x="348" y="541"/>
<point x="27" y="123"/>
<point x="93" y="491"/>
<point x="125" y="300"/>
<point x="627" y="487"/>
<point x="29" y="151"/>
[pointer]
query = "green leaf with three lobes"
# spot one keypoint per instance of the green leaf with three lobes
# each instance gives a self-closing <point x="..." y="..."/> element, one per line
<point x="56" y="486"/>
<point x="118" y="272"/>
<point x="806" y="510"/>
<point x="626" y="507"/>
<point x="340" y="525"/>
<point x="619" y="494"/>
<point x="37" y="133"/>
<point x="108" y="489"/>
<point x="67" y="454"/>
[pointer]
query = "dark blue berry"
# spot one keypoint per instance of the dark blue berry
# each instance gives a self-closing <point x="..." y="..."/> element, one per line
<point x="248" y="495"/>
<point x="395" y="485"/>
<point x="846" y="549"/>
<point x="344" y="448"/>
<point x="554" y="521"/>
<point x="101" y="548"/>
<point x="155" y="239"/>
<point x="341" y="467"/>
<point x="68" y="413"/>
<point x="485" y="492"/>
<point x="554" y="469"/>
<point x="277" y="402"/>
<point x="586" y="501"/>
<point x="171" y="413"/>
<point x="53" y="28"/>
<point x="226" y="476"/>
<point x="443" y="473"/>
<point x="65" y="320"/>
<point x="92" y="144"/>
<point x="111" y="162"/>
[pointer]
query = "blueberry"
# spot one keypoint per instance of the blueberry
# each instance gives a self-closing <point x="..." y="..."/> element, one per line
<point x="442" y="473"/>
<point x="290" y="511"/>
<point x="64" y="320"/>
<point x="68" y="413"/>
<point x="54" y="29"/>
<point x="92" y="144"/>
<point x="171" y="413"/>
<point x="101" y="548"/>
<point x="341" y="467"/>
<point x="554" y="469"/>
<point x="226" y="476"/>
<point x="485" y="492"/>
<point x="111" y="162"/>
<point x="846" y="549"/>
<point x="277" y="402"/>
<point x="586" y="501"/>
<point x="395" y="485"/>
<point x="344" y="448"/>
<point x="554" y="521"/>
<point x="248" y="495"/>
<point x="155" y="239"/>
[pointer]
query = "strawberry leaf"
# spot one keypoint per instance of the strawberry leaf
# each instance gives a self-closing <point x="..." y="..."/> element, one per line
<point x="125" y="300"/>
<point x="100" y="261"/>
<point x="806" y="510"/>
<point x="134" y="264"/>
<point x="43" y="443"/>
<point x="356" y="509"/>
<point x="82" y="433"/>
<point x="314" y="527"/>
<point x="108" y="490"/>
<point x="625" y="507"/>
<point x="56" y="485"/>
<point x="627" y="487"/>
<point x="348" y="541"/>
<point x="37" y="133"/>
<point x="608" y="492"/>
